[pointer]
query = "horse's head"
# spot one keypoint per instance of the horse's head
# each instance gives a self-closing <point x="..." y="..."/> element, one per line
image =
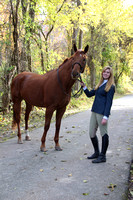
<point x="78" y="61"/>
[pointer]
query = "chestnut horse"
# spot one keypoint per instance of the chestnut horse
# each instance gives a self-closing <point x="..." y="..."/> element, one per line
<point x="51" y="90"/>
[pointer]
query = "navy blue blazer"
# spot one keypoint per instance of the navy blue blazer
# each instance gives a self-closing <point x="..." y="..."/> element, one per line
<point x="103" y="100"/>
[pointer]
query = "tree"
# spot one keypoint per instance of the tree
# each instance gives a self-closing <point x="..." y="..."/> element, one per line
<point x="36" y="35"/>
<point x="52" y="9"/>
<point x="14" y="15"/>
<point x="28" y="21"/>
<point x="104" y="35"/>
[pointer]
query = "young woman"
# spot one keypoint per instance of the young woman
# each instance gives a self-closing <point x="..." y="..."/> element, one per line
<point x="101" y="107"/>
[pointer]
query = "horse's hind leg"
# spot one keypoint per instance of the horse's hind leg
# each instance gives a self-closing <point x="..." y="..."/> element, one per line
<point x="28" y="110"/>
<point x="16" y="113"/>
<point x="59" y="115"/>
<point x="48" y="116"/>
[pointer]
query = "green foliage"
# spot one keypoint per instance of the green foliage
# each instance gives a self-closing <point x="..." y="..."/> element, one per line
<point x="125" y="88"/>
<point x="47" y="27"/>
<point x="109" y="54"/>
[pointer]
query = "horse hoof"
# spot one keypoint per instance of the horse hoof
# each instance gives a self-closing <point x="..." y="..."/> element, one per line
<point x="20" y="142"/>
<point x="57" y="148"/>
<point x="43" y="149"/>
<point x="27" y="138"/>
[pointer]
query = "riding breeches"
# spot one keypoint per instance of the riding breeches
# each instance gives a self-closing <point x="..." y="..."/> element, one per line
<point x="95" y="122"/>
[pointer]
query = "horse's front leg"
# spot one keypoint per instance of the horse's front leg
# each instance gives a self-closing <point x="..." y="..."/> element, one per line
<point x="59" y="115"/>
<point x="48" y="116"/>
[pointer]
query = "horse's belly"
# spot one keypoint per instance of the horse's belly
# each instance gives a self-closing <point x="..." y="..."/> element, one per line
<point x="33" y="95"/>
<point x="34" y="100"/>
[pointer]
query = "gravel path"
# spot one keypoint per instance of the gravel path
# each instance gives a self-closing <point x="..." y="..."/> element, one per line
<point x="28" y="174"/>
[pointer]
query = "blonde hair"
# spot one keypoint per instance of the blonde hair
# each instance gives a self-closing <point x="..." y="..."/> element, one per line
<point x="110" y="80"/>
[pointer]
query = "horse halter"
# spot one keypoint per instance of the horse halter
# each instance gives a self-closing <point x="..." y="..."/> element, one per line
<point x="80" y="80"/>
<point x="81" y="68"/>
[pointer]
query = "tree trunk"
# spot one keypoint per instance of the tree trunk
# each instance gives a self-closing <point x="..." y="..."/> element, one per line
<point x="24" y="62"/>
<point x="74" y="39"/>
<point x="80" y="39"/>
<point x="92" y="71"/>
<point x="90" y="60"/>
<point x="15" y="55"/>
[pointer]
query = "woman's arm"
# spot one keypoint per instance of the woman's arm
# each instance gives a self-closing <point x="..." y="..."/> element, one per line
<point x="86" y="91"/>
<point x="110" y="95"/>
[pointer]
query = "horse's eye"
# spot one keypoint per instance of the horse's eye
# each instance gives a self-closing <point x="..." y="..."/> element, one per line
<point x="84" y="59"/>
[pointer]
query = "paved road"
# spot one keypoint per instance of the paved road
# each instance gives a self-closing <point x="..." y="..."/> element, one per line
<point x="28" y="174"/>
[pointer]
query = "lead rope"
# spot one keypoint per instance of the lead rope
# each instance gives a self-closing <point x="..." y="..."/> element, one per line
<point x="80" y="91"/>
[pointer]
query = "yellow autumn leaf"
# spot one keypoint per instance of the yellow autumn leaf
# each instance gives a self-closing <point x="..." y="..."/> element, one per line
<point x="85" y="181"/>
<point x="69" y="175"/>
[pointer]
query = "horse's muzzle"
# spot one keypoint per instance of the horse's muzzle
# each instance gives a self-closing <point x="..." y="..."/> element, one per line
<point x="75" y="75"/>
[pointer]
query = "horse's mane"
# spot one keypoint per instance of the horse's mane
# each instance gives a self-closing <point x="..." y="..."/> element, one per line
<point x="66" y="60"/>
<point x="58" y="67"/>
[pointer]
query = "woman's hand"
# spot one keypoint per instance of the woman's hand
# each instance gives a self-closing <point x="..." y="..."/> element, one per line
<point x="82" y="84"/>
<point x="104" y="121"/>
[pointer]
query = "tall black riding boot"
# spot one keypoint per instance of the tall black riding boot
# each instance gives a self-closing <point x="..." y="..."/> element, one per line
<point x="96" y="148"/>
<point x="102" y="155"/>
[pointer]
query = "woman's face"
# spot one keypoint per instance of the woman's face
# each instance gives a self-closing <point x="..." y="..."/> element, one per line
<point x="106" y="74"/>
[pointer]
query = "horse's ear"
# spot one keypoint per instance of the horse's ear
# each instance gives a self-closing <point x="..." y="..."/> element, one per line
<point x="75" y="48"/>
<point x="86" y="48"/>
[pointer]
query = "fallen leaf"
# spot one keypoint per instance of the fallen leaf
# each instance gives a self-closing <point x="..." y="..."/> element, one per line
<point x="53" y="168"/>
<point x="69" y="175"/>
<point x="127" y="162"/>
<point x="85" y="153"/>
<point x="119" y="149"/>
<point x="63" y="161"/>
<point x="85" y="194"/>
<point x="41" y="170"/>
<point x="106" y="194"/>
<point x="68" y="132"/>
<point x="85" y="181"/>
<point x="112" y="186"/>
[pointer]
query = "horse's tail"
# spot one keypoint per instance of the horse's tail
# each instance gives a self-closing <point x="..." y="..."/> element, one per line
<point x="14" y="123"/>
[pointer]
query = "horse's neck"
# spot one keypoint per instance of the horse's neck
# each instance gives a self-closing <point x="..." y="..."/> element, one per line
<point x="65" y="75"/>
